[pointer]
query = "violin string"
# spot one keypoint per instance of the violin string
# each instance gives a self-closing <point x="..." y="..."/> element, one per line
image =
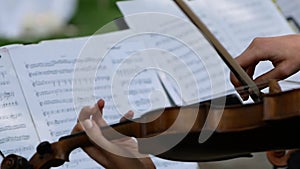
<point x="244" y="89"/>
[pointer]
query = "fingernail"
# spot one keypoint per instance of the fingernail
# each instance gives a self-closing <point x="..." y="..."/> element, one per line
<point x="130" y="114"/>
<point x="87" y="124"/>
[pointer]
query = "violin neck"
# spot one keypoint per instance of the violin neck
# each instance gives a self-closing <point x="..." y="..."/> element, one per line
<point x="120" y="130"/>
<point x="115" y="131"/>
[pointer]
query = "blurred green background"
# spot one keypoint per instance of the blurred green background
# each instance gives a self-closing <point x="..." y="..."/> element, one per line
<point x="90" y="16"/>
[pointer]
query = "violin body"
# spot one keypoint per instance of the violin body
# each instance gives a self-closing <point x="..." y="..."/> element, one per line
<point x="242" y="129"/>
<point x="276" y="135"/>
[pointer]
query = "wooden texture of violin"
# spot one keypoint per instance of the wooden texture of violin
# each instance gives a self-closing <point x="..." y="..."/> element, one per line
<point x="276" y="106"/>
<point x="282" y="105"/>
<point x="13" y="161"/>
<point x="278" y="158"/>
<point x="243" y="129"/>
<point x="56" y="154"/>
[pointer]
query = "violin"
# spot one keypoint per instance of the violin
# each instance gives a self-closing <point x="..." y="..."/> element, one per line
<point x="236" y="130"/>
<point x="242" y="130"/>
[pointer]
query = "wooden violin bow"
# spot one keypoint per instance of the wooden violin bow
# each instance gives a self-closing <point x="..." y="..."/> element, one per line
<point x="236" y="69"/>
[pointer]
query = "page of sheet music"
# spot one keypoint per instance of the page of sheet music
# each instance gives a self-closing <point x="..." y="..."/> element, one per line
<point x="17" y="132"/>
<point x="190" y="61"/>
<point x="46" y="87"/>
<point x="48" y="82"/>
<point x="291" y="11"/>
<point x="236" y="23"/>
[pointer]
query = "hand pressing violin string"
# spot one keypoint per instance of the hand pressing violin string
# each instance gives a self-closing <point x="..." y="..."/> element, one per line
<point x="282" y="51"/>
<point x="105" y="152"/>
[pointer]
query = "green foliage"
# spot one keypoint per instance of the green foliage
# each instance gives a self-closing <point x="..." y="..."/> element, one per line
<point x="90" y="16"/>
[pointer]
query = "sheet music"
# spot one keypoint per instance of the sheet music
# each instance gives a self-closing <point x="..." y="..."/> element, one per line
<point x="166" y="164"/>
<point x="48" y="81"/>
<point x="145" y="6"/>
<point x="17" y="133"/>
<point x="47" y="91"/>
<point x="185" y="54"/>
<point x="290" y="9"/>
<point x="236" y="23"/>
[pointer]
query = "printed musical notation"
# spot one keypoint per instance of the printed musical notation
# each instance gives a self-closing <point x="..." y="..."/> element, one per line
<point x="9" y="104"/>
<point x="4" y="83"/>
<point x="60" y="122"/>
<point x="51" y="63"/>
<point x="14" y="138"/>
<point x="185" y="55"/>
<point x="50" y="72"/>
<point x="49" y="84"/>
<point x="54" y="133"/>
<point x="2" y="73"/>
<point x="7" y="99"/>
<point x="6" y="95"/>
<point x="20" y="150"/>
<point x="84" y="161"/>
<point x="48" y="113"/>
<point x="12" y="127"/>
<point x="16" y="126"/>
<point x="260" y="19"/>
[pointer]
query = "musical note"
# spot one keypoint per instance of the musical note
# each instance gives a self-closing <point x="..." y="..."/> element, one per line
<point x="3" y="74"/>
<point x="14" y="138"/>
<point x="55" y="102"/>
<point x="17" y="134"/>
<point x="20" y="150"/>
<point x="51" y="63"/>
<point x="48" y="113"/>
<point x="11" y="116"/>
<point x="57" y="122"/>
<point x="13" y="127"/>
<point x="50" y="72"/>
<point x="55" y="133"/>
<point x="4" y="96"/>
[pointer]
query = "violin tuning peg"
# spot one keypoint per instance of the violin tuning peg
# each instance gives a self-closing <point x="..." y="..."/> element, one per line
<point x="13" y="161"/>
<point x="44" y="148"/>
